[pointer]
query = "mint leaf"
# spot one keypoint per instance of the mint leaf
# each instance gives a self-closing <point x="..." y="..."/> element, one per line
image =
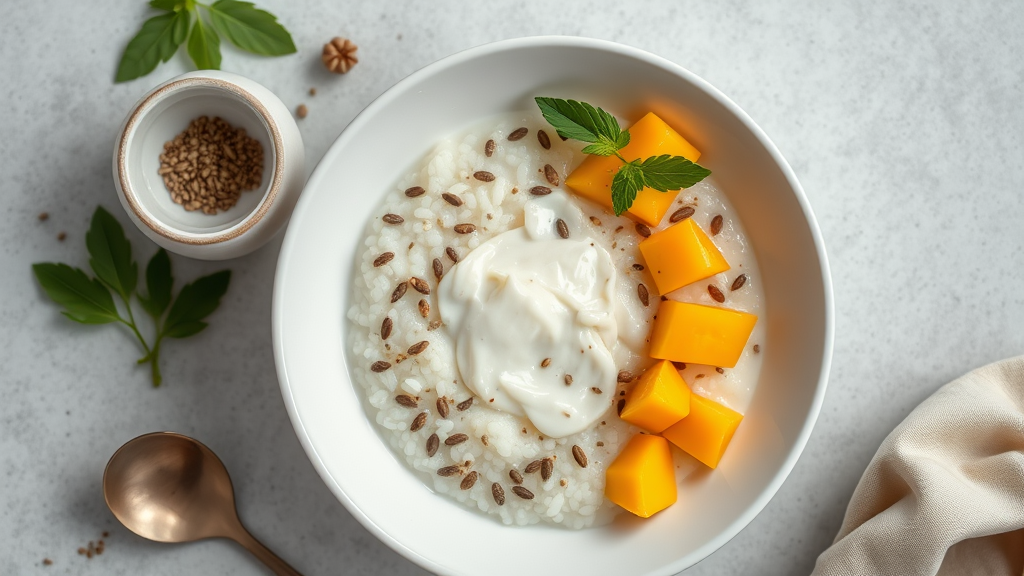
<point x="156" y="42"/>
<point x="626" y="183"/>
<point x="250" y="28"/>
<point x="84" y="299"/>
<point x="195" y="302"/>
<point x="665" y="172"/>
<point x="158" y="283"/>
<point x="581" y="121"/>
<point x="111" y="253"/>
<point x="204" y="46"/>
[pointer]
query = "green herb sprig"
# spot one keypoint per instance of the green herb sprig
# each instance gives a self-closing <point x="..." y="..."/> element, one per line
<point x="583" y="122"/>
<point x="89" y="300"/>
<point x="245" y="25"/>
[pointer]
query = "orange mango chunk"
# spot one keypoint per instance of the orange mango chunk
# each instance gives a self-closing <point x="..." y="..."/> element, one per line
<point x="681" y="254"/>
<point x="705" y="433"/>
<point x="659" y="399"/>
<point x="650" y="136"/>
<point x="642" y="479"/>
<point x="698" y="334"/>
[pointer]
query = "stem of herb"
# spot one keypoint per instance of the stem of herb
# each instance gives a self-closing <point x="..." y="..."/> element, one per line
<point x="131" y="324"/>
<point x="154" y="360"/>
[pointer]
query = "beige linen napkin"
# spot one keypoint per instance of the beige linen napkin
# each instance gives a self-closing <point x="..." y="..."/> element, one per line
<point x="945" y="492"/>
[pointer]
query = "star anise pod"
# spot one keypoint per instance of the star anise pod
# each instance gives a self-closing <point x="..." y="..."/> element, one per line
<point x="340" y="55"/>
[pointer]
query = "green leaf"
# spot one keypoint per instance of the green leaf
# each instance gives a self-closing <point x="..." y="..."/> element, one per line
<point x="581" y="121"/>
<point x="158" y="284"/>
<point x="195" y="302"/>
<point x="204" y="46"/>
<point x="84" y="299"/>
<point x="156" y="42"/>
<point x="603" y="147"/>
<point x="250" y="28"/>
<point x="664" y="173"/>
<point x="626" y="183"/>
<point x="185" y="329"/>
<point x="168" y="5"/>
<point x="111" y="253"/>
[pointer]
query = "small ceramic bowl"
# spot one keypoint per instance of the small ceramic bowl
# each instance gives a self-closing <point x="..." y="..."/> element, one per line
<point x="165" y="112"/>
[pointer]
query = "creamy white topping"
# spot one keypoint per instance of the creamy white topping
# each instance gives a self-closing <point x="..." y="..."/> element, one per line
<point x="528" y="295"/>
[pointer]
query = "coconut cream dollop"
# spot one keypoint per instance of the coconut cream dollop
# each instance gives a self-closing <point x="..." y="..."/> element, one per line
<point x="532" y="315"/>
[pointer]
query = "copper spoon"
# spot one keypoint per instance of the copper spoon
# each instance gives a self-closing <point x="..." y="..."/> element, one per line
<point x="170" y="488"/>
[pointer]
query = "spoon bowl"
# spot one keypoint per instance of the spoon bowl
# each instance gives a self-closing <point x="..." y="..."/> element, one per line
<point x="171" y="488"/>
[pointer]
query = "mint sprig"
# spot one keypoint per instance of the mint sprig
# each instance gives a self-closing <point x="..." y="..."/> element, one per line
<point x="245" y="25"/>
<point x="586" y="123"/>
<point x="89" y="301"/>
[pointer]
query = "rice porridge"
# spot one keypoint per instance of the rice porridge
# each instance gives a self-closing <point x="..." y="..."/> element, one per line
<point x="498" y="320"/>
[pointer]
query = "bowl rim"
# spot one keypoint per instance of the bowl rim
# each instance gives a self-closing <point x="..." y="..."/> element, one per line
<point x="559" y="41"/>
<point x="146" y="105"/>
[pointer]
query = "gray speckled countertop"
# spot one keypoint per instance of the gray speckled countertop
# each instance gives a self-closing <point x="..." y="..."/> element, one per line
<point x="902" y="120"/>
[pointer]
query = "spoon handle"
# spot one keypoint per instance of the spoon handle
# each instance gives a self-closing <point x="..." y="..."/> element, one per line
<point x="263" y="554"/>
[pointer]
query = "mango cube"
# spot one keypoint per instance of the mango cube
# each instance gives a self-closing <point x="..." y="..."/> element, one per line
<point x="659" y="399"/>
<point x="706" y="432"/>
<point x="681" y="254"/>
<point x="642" y="479"/>
<point x="650" y="136"/>
<point x="698" y="334"/>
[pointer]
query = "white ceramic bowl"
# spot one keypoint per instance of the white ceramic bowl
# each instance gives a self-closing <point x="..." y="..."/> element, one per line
<point x="167" y="110"/>
<point x="316" y="265"/>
